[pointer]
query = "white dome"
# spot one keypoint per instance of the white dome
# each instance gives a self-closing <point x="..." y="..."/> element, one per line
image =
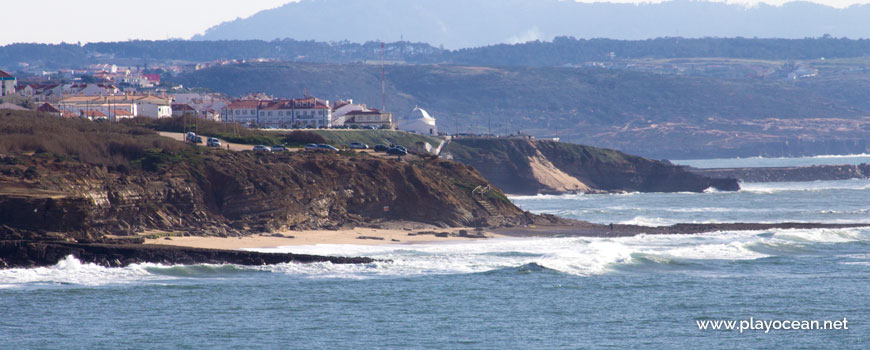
<point x="420" y="122"/>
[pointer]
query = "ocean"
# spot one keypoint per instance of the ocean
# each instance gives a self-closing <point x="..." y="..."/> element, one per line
<point x="642" y="292"/>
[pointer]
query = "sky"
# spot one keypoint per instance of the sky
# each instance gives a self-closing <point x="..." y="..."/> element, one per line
<point x="55" y="21"/>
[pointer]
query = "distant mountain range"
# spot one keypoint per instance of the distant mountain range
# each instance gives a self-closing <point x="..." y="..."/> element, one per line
<point x="457" y="24"/>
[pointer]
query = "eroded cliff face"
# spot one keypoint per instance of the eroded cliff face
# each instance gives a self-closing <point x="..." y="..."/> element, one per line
<point x="511" y="164"/>
<point x="232" y="193"/>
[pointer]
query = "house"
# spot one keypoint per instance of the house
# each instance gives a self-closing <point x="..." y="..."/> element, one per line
<point x="42" y="92"/>
<point x="90" y="90"/>
<point x="369" y="118"/>
<point x="48" y="108"/>
<point x="153" y="106"/>
<point x="341" y="108"/>
<point x="121" y="114"/>
<point x="7" y="84"/>
<point x="180" y="109"/>
<point x="276" y="114"/>
<point x="312" y="112"/>
<point x="242" y="112"/>
<point x="106" y="105"/>
<point x="154" y="79"/>
<point x="110" y="106"/>
<point x="305" y="112"/>
<point x="93" y="115"/>
<point x="206" y="105"/>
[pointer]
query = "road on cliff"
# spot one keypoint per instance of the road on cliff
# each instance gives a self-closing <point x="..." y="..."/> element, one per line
<point x="244" y="147"/>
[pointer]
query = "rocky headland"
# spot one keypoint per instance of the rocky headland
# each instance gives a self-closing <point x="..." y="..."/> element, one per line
<point x="525" y="166"/>
<point x="78" y="182"/>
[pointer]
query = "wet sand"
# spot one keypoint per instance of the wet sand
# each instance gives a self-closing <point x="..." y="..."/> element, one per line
<point x="359" y="236"/>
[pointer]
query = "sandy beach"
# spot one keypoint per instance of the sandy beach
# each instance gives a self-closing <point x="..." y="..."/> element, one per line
<point x="360" y="236"/>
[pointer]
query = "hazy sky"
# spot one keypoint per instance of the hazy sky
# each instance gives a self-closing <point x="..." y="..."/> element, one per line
<point x="54" y="21"/>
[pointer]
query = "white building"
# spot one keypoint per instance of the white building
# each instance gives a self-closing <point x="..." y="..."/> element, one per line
<point x="7" y="84"/>
<point x="341" y="109"/>
<point x="312" y="112"/>
<point x="306" y="112"/>
<point x="419" y="122"/>
<point x="369" y="118"/>
<point x="242" y="112"/>
<point x="90" y="90"/>
<point x="276" y="114"/>
<point x="153" y="106"/>
<point x="118" y="107"/>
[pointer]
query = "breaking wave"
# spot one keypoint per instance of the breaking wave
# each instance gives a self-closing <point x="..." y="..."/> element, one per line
<point x="579" y="256"/>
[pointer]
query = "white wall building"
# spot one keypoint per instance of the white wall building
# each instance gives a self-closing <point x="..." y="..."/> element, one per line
<point x="153" y="106"/>
<point x="7" y="84"/>
<point x="243" y="112"/>
<point x="419" y="122"/>
<point x="276" y="114"/>
<point x="312" y="112"/>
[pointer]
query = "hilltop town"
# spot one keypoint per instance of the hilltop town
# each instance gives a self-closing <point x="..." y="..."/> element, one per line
<point x="114" y="93"/>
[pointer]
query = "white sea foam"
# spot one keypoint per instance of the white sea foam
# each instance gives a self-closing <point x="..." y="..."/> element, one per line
<point x="810" y="186"/>
<point x="648" y="221"/>
<point x="70" y="270"/>
<point x="575" y="256"/>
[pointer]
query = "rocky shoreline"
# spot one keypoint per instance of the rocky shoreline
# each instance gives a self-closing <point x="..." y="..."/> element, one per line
<point x="586" y="229"/>
<point x="781" y="174"/>
<point x="24" y="253"/>
<point x="28" y="254"/>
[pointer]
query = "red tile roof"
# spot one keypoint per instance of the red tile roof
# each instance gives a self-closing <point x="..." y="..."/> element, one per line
<point x="182" y="107"/>
<point x="365" y="112"/>
<point x="243" y="104"/>
<point x="94" y="114"/>
<point x="48" y="108"/>
<point x="5" y="75"/>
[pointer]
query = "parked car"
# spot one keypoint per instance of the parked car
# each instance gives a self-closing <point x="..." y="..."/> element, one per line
<point x="261" y="148"/>
<point x="357" y="145"/>
<point x="197" y="140"/>
<point x="371" y="127"/>
<point x="213" y="142"/>
<point x="190" y="137"/>
<point x="279" y="148"/>
<point x="311" y="146"/>
<point x="381" y="148"/>
<point x="325" y="147"/>
<point x="397" y="151"/>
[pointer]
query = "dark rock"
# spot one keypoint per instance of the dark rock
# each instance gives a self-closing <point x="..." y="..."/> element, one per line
<point x="370" y="237"/>
<point x="27" y="254"/>
<point x="780" y="174"/>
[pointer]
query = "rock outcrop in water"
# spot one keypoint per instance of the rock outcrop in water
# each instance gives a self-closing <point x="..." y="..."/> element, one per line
<point x="780" y="174"/>
<point x="45" y="253"/>
<point x="523" y="166"/>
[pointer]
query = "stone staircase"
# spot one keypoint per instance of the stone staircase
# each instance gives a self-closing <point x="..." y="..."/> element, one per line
<point x="479" y="195"/>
